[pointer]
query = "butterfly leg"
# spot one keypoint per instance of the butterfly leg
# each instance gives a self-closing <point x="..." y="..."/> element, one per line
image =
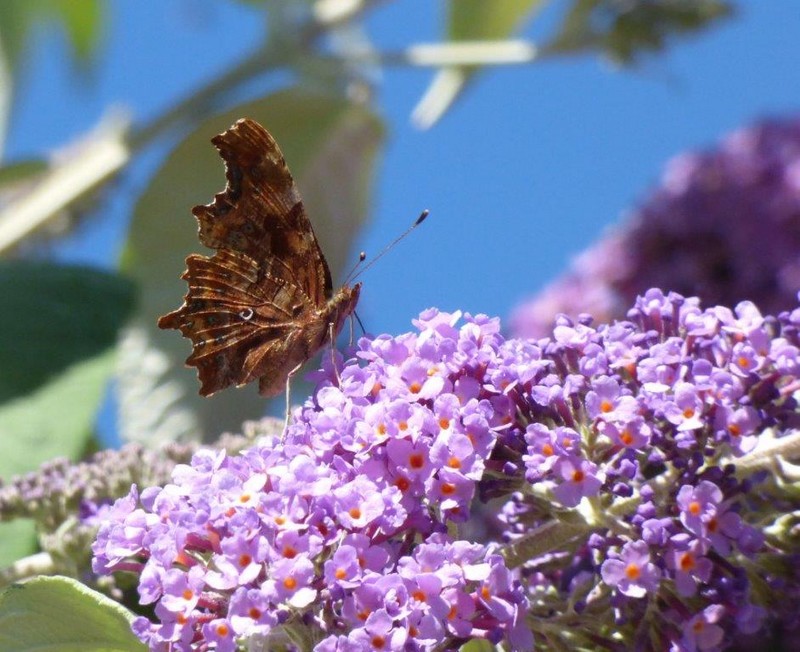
<point x="352" y="330"/>
<point x="332" y="339"/>
<point x="288" y="399"/>
<point x="355" y="317"/>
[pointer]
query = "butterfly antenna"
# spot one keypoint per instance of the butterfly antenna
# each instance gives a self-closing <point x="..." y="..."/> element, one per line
<point x="361" y="258"/>
<point x="418" y="221"/>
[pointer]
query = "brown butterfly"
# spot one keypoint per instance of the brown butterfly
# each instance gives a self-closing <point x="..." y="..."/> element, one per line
<point x="263" y="304"/>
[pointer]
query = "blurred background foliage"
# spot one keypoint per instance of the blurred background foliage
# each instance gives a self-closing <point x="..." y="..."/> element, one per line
<point x="70" y="332"/>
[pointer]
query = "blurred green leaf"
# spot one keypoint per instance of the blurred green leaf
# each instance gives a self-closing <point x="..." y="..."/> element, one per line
<point x="470" y="20"/>
<point x="16" y="18"/>
<point x="59" y="613"/>
<point x="58" y="332"/>
<point x="81" y="20"/>
<point x="477" y="645"/>
<point x="57" y="325"/>
<point x="55" y="316"/>
<point x="21" y="171"/>
<point x="17" y="540"/>
<point x="331" y="146"/>
<point x="623" y="30"/>
<point x="54" y="420"/>
<point x="475" y="20"/>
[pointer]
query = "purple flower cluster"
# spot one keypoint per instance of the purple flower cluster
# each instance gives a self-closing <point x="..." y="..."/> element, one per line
<point x="723" y="225"/>
<point x="628" y="461"/>
<point x="647" y="420"/>
<point x="338" y="536"/>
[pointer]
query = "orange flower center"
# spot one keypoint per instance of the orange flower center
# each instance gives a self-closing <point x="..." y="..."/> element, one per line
<point x="686" y="561"/>
<point x="632" y="571"/>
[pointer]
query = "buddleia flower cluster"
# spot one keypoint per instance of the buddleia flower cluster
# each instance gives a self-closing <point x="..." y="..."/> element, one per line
<point x="723" y="224"/>
<point x="611" y="487"/>
<point x="66" y="500"/>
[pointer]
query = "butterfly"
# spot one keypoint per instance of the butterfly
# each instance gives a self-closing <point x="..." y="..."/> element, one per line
<point x="263" y="304"/>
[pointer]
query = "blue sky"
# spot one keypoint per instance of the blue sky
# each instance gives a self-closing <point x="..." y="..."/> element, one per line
<point x="526" y="170"/>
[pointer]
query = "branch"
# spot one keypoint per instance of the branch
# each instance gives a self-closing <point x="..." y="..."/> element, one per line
<point x="773" y="454"/>
<point x="76" y="171"/>
<point x="447" y="55"/>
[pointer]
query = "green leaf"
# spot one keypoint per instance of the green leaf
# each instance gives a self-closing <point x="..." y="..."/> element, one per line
<point x="56" y="419"/>
<point x="477" y="645"/>
<point x="21" y="171"/>
<point x="331" y="146"/>
<point x="476" y="20"/>
<point x="470" y="20"/>
<point x="61" y="614"/>
<point x="59" y="328"/>
<point x="17" y="540"/>
<point x="624" y="30"/>
<point x="81" y="20"/>
<point x="16" y="17"/>
<point x="55" y="316"/>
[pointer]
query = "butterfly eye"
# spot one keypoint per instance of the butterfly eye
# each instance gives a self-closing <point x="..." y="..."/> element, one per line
<point x="246" y="314"/>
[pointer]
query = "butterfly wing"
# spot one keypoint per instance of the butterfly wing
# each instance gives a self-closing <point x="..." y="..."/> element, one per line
<point x="263" y="303"/>
<point x="260" y="212"/>
<point x="241" y="328"/>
